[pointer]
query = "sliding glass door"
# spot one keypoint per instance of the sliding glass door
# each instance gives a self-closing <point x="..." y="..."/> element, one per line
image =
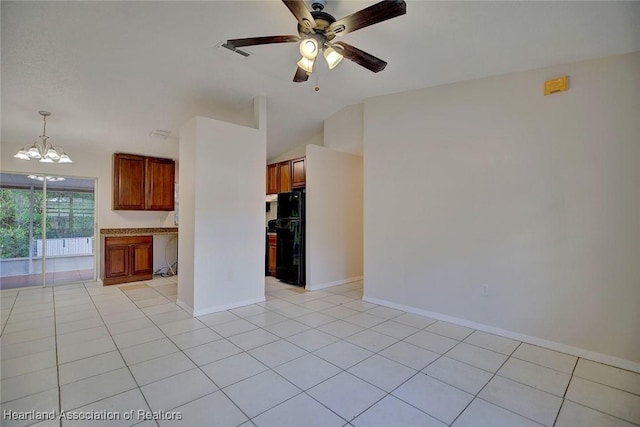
<point x="47" y="226"/>
<point x="20" y="226"/>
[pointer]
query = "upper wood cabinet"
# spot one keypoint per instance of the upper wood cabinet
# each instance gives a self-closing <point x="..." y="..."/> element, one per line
<point x="298" y="173"/>
<point x="143" y="183"/>
<point x="159" y="184"/>
<point x="285" y="176"/>
<point x="272" y="179"/>
<point x="128" y="182"/>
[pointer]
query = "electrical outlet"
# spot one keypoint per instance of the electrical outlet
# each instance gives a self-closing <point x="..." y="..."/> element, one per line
<point x="484" y="289"/>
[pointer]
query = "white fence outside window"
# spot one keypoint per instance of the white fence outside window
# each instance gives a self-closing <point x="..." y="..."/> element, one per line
<point x="58" y="247"/>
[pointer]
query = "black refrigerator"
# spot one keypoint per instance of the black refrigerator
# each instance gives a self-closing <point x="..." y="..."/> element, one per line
<point x="290" y="240"/>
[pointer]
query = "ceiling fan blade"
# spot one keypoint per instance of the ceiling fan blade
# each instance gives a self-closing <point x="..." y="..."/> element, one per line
<point x="253" y="41"/>
<point x="378" y="12"/>
<point x="360" y="57"/>
<point x="301" y="76"/>
<point x="302" y="14"/>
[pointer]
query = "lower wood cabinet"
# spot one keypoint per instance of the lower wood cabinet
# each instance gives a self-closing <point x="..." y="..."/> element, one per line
<point x="127" y="259"/>
<point x="272" y="254"/>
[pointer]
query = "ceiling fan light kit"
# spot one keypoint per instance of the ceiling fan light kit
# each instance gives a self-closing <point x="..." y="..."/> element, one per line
<point x="306" y="64"/>
<point x="318" y="29"/>
<point x="309" y="48"/>
<point x="332" y="57"/>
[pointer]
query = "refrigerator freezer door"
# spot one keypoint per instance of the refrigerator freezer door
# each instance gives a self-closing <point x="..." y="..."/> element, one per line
<point x="291" y="205"/>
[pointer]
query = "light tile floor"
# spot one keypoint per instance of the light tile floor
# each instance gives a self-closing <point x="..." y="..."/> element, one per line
<point x="323" y="358"/>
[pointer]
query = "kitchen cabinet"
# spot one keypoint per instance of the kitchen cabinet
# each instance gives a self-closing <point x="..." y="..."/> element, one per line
<point x="127" y="259"/>
<point x="272" y="254"/>
<point x="159" y="184"/>
<point x="272" y="179"/>
<point x="286" y="176"/>
<point x="128" y="182"/>
<point x="143" y="183"/>
<point x="298" y="173"/>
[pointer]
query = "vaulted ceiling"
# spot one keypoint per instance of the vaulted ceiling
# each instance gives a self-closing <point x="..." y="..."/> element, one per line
<point x="112" y="71"/>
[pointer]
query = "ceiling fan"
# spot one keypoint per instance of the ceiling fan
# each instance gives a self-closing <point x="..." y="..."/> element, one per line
<point x="317" y="31"/>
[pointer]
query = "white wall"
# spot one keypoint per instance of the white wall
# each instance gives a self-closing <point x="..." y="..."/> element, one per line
<point x="333" y="217"/>
<point x="165" y="252"/>
<point x="186" y="214"/>
<point x="343" y="131"/>
<point x="489" y="182"/>
<point x="299" y="151"/>
<point x="221" y="240"/>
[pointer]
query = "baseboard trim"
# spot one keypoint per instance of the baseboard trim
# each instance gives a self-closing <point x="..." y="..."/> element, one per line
<point x="564" y="348"/>
<point x="230" y="306"/>
<point x="186" y="307"/>
<point x="330" y="284"/>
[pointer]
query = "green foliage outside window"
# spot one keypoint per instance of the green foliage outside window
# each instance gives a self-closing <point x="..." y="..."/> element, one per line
<point x="69" y="215"/>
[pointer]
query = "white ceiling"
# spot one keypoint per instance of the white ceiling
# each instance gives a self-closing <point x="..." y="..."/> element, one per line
<point x="110" y="72"/>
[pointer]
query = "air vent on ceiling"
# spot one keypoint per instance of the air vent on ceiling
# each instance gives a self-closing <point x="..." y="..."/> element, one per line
<point x="159" y="133"/>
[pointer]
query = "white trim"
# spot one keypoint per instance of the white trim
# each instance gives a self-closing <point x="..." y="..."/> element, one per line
<point x="224" y="307"/>
<point x="330" y="284"/>
<point x="564" y="348"/>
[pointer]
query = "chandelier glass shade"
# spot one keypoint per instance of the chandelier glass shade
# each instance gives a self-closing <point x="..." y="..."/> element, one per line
<point x="43" y="150"/>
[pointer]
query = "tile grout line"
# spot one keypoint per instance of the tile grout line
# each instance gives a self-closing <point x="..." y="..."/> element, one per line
<point x="307" y="352"/>
<point x="564" y="395"/>
<point x="56" y="352"/>
<point x="187" y="356"/>
<point x="269" y="368"/>
<point x="423" y="373"/>
<point x="604" y="384"/>
<point x="301" y="304"/>
<point x="377" y="353"/>
<point x="55" y="332"/>
<point x="10" y="312"/>
<point x="510" y="355"/>
<point x="342" y="370"/>
<point x="367" y="358"/>
<point x="477" y="395"/>
<point x="120" y="353"/>
<point x="104" y="324"/>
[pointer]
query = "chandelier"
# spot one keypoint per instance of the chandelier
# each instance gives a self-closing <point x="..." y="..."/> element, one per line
<point x="43" y="150"/>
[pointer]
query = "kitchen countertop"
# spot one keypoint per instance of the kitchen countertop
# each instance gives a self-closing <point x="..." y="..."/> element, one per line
<point x="118" y="232"/>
